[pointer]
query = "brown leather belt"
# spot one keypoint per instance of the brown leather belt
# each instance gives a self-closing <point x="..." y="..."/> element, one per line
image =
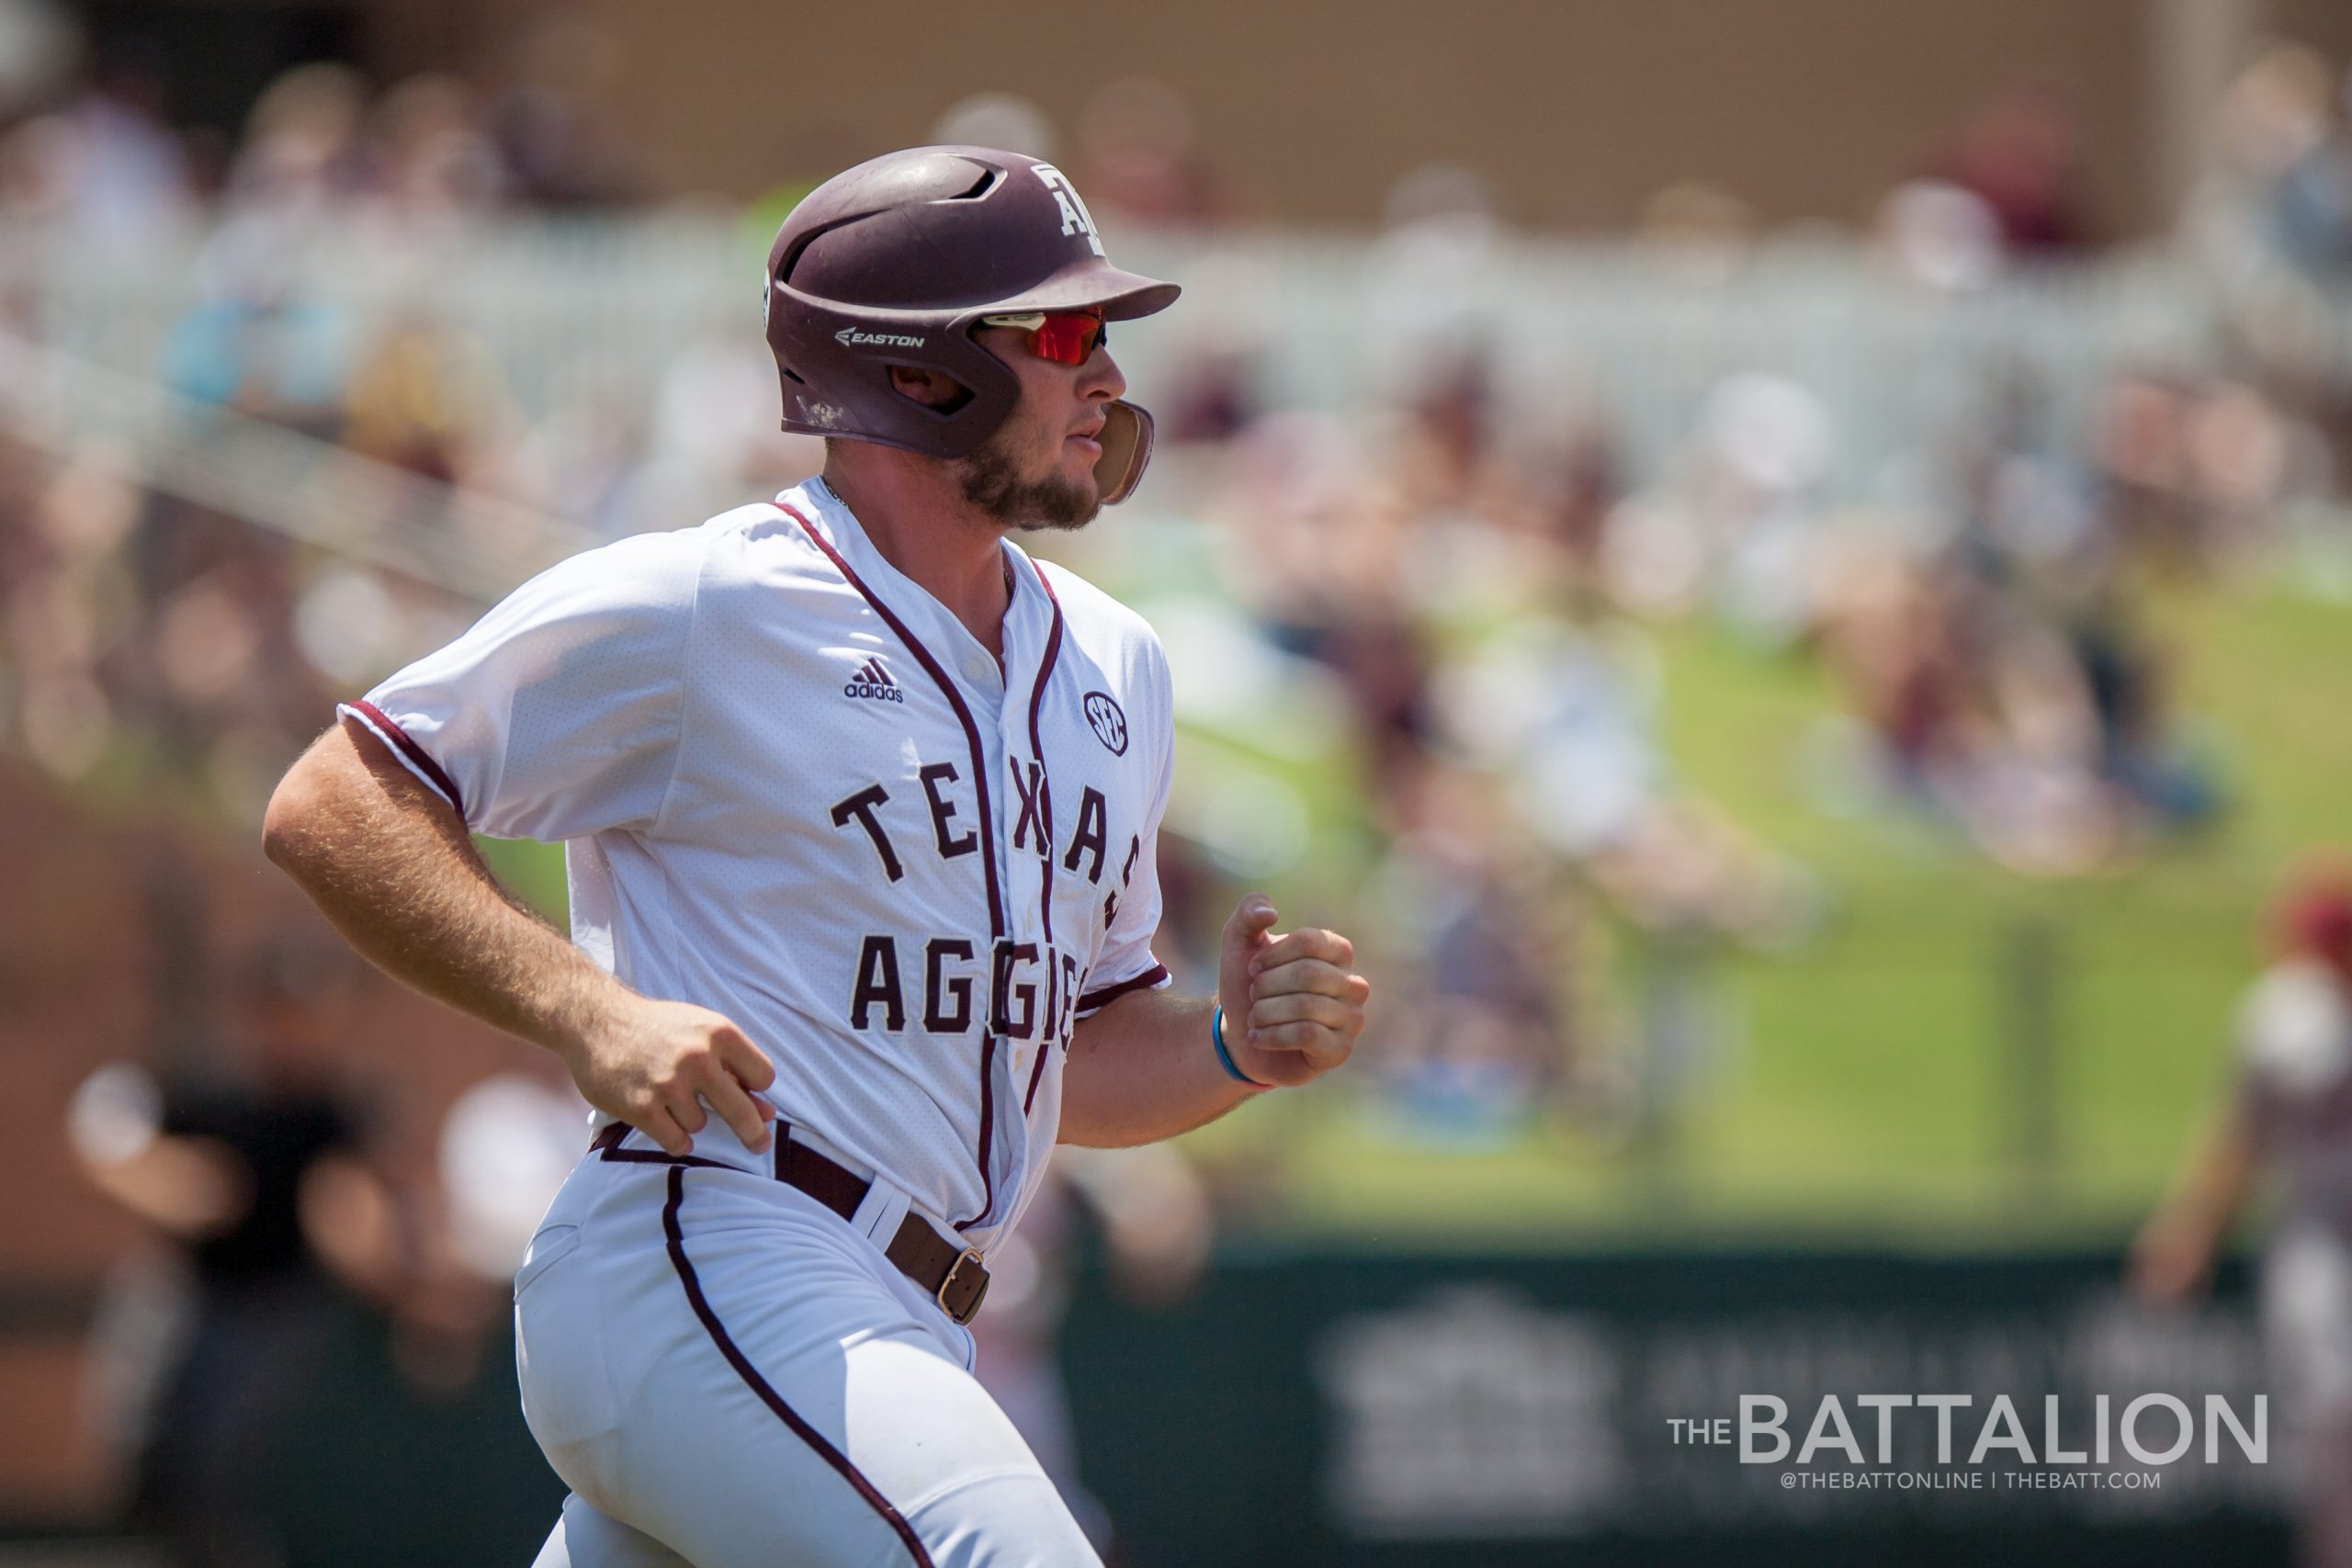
<point x="954" y="1276"/>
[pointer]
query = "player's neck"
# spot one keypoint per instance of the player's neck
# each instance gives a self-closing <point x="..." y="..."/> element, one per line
<point x="922" y="526"/>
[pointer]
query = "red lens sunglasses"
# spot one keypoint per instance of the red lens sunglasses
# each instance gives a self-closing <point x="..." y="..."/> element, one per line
<point x="1066" y="337"/>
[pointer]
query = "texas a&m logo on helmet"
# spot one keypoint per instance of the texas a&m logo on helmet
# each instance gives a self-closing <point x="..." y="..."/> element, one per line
<point x="1075" y="220"/>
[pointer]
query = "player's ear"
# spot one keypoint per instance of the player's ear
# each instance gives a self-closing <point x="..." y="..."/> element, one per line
<point x="931" y="388"/>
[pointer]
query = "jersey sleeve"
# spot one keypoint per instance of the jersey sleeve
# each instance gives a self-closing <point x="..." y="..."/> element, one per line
<point x="559" y="714"/>
<point x="1126" y="961"/>
<point x="2294" y="1046"/>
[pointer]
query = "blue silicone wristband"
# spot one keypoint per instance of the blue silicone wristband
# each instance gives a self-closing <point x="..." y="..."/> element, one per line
<point x="1224" y="1057"/>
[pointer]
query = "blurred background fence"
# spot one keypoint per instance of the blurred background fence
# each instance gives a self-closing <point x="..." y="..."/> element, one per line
<point x="572" y="311"/>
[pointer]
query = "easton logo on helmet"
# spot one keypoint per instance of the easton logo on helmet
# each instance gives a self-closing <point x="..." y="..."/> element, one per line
<point x="873" y="681"/>
<point x="853" y="337"/>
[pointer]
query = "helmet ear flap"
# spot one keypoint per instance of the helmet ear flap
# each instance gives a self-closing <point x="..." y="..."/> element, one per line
<point x="1127" y="449"/>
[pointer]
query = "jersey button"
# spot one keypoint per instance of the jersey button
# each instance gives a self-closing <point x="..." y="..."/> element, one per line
<point x="978" y="668"/>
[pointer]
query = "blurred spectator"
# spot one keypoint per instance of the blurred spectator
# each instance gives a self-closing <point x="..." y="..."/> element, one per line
<point x="2023" y="157"/>
<point x="304" y="149"/>
<point x="263" y="1173"/>
<point x="39" y="43"/>
<point x="438" y="161"/>
<point x="1941" y="234"/>
<point x="426" y="397"/>
<point x="1580" y="483"/>
<point x="254" y="342"/>
<point x="588" y="461"/>
<point x="506" y="1145"/>
<point x="2286" y="1117"/>
<point x="714" y="438"/>
<point x="1763" y="454"/>
<point x="1432" y="277"/>
<point x="2046" y="739"/>
<point x="2314" y="202"/>
<point x="1212" y="399"/>
<point x="1701" y="233"/>
<point x="998" y="120"/>
<point x="2279" y="189"/>
<point x="551" y="123"/>
<point x="66" y="594"/>
<point x="1473" y="1043"/>
<point x="105" y="162"/>
<point x="1142" y="158"/>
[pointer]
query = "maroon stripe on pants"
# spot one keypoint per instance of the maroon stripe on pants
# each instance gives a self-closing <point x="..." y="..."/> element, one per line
<point x="758" y="1385"/>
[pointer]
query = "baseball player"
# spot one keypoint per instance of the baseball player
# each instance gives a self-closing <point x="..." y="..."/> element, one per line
<point x="2288" y="1115"/>
<point x="859" y="804"/>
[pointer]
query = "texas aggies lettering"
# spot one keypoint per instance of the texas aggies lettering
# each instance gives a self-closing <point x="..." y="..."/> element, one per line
<point x="1012" y="987"/>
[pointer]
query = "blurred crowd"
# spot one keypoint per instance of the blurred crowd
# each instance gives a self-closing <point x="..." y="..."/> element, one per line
<point x="1488" y="581"/>
<point x="1474" y="581"/>
<point x="1464" y="584"/>
<point x="146" y="636"/>
<point x="321" y="138"/>
<point x="1493" y="600"/>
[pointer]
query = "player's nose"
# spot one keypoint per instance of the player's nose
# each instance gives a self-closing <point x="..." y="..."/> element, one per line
<point x="1101" y="379"/>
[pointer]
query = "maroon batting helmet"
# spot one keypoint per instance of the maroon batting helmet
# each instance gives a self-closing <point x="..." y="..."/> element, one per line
<point x="894" y="263"/>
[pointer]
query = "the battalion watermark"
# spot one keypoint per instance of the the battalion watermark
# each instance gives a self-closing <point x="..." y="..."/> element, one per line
<point x="2151" y="1430"/>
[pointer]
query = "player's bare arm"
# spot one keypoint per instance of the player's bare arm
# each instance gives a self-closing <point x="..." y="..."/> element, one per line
<point x="391" y="864"/>
<point x="2173" y="1256"/>
<point x="1144" y="1068"/>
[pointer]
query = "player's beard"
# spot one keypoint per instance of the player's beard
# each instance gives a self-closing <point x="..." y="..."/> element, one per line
<point x="990" y="482"/>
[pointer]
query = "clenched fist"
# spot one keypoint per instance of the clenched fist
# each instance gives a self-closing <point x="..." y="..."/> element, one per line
<point x="656" y="1065"/>
<point x="1293" y="1006"/>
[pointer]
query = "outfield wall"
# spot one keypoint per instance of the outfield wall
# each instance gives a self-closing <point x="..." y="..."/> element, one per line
<point x="1342" y="1407"/>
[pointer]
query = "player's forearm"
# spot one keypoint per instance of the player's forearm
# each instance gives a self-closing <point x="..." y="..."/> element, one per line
<point x="391" y="865"/>
<point x="1143" y="1069"/>
<point x="2218" y="1179"/>
<point x="191" y="1188"/>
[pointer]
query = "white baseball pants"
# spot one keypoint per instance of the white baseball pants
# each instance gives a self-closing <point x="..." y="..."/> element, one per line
<point x="726" y="1374"/>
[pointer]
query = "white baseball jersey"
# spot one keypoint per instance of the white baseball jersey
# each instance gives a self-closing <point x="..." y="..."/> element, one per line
<point x="794" y="788"/>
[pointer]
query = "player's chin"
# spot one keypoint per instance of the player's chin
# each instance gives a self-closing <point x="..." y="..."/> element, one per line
<point x="1066" y="500"/>
<point x="1065" y="520"/>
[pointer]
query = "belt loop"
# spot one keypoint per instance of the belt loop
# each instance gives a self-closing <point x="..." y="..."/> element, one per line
<point x="879" y="1215"/>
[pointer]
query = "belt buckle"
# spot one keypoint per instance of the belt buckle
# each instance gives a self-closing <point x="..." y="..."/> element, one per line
<point x="971" y="1308"/>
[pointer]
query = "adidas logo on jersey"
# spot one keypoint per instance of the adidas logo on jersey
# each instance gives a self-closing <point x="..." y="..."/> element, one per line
<point x="873" y="681"/>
